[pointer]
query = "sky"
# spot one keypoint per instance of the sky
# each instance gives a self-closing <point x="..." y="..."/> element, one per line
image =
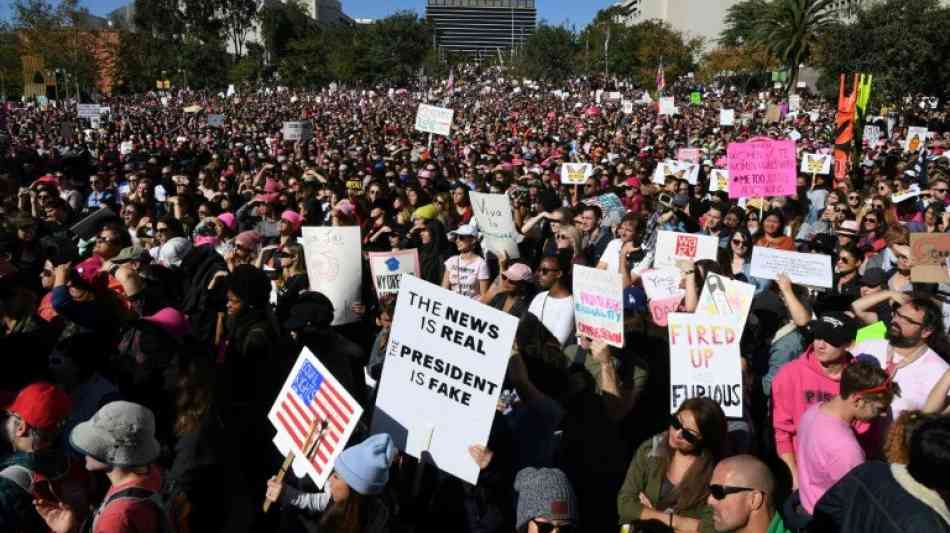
<point x="576" y="12"/>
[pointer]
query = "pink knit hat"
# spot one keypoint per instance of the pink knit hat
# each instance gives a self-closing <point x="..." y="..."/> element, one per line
<point x="293" y="217"/>
<point x="229" y="220"/>
<point x="248" y="239"/>
<point x="172" y="321"/>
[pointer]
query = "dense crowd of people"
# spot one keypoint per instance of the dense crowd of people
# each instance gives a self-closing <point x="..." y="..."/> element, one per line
<point x="155" y="295"/>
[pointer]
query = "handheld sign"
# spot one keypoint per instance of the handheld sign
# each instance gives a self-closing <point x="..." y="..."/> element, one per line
<point x="705" y="361"/>
<point x="816" y="163"/>
<point x="928" y="255"/>
<point x="688" y="154"/>
<point x="803" y="269"/>
<point x="727" y="117"/>
<point x="576" y="173"/>
<point x="872" y="134"/>
<point x="718" y="180"/>
<point x="762" y="167"/>
<point x="298" y="131"/>
<point x="445" y="363"/>
<point x="314" y="417"/>
<point x="494" y="219"/>
<point x="667" y="106"/>
<point x="598" y="304"/>
<point x="88" y="110"/>
<point x="671" y="246"/>
<point x="335" y="266"/>
<point x="387" y="269"/>
<point x="916" y="139"/>
<point x="432" y="119"/>
<point x="722" y="296"/>
<point x="215" y="121"/>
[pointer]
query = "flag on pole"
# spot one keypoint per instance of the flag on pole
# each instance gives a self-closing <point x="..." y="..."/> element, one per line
<point x="451" y="83"/>
<point x="660" y="78"/>
<point x="312" y="397"/>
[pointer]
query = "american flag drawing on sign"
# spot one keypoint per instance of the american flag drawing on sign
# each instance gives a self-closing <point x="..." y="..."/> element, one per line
<point x="312" y="397"/>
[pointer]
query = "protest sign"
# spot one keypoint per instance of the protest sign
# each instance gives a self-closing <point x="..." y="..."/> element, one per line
<point x="662" y="283"/>
<point x="298" y="131"/>
<point x="88" y="110"/>
<point x="803" y="269"/>
<point x="688" y="154"/>
<point x="722" y="296"/>
<point x="816" y="164"/>
<point x="667" y="105"/>
<point x="872" y="134"/>
<point x="660" y="309"/>
<point x="614" y="95"/>
<point x="627" y="107"/>
<point x="494" y="219"/>
<point x="387" y="268"/>
<point x="672" y="246"/>
<point x="928" y="257"/>
<point x="794" y="102"/>
<point x="762" y="167"/>
<point x="773" y="114"/>
<point x="718" y="180"/>
<point x="576" y="173"/>
<point x="433" y="119"/>
<point x="313" y="400"/>
<point x="445" y="363"/>
<point x="916" y="139"/>
<point x="598" y="304"/>
<point x="695" y="98"/>
<point x="912" y="192"/>
<point x="215" y="121"/>
<point x="705" y="361"/>
<point x="335" y="266"/>
<point x="677" y="169"/>
<point x="727" y="117"/>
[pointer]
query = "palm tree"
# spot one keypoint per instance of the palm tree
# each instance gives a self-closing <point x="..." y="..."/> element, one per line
<point x="790" y="28"/>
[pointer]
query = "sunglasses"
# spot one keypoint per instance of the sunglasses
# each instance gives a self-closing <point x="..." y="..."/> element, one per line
<point x="940" y="190"/>
<point x="560" y="236"/>
<point x="871" y="220"/>
<point x="690" y="437"/>
<point x="878" y="206"/>
<point x="547" y="527"/>
<point x="107" y="241"/>
<point x="720" y="492"/>
<point x="546" y="271"/>
<point x="843" y="259"/>
<point x="739" y="242"/>
<point x="854" y="197"/>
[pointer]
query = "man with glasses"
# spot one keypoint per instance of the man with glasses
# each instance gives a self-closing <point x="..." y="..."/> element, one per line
<point x="742" y="497"/>
<point x="554" y="305"/>
<point x="938" y="192"/>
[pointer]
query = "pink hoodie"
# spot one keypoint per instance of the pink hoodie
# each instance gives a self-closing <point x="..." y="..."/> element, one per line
<point x="798" y="385"/>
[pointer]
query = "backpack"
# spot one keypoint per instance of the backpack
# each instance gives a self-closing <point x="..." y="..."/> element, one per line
<point x="136" y="494"/>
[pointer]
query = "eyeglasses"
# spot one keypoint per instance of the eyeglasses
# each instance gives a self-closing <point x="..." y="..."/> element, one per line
<point x="545" y="271"/>
<point x="940" y="190"/>
<point x="739" y="242"/>
<point x="106" y="240"/>
<point x="871" y="220"/>
<point x="548" y="527"/>
<point x="720" y="492"/>
<point x="690" y="437"/>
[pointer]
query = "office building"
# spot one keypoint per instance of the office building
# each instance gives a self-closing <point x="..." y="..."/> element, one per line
<point x="481" y="26"/>
<point x="695" y="18"/>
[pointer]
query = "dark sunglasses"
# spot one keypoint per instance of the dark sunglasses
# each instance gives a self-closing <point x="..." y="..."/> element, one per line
<point x="107" y="241"/>
<point x="739" y="242"/>
<point x="720" y="492"/>
<point x="547" y="527"/>
<point x="878" y="206"/>
<point x="690" y="437"/>
<point x="854" y="197"/>
<point x="844" y="259"/>
<point x="871" y="220"/>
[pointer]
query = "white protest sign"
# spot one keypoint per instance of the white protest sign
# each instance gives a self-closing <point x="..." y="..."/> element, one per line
<point x="88" y="110"/>
<point x="794" y="102"/>
<point x="705" y="361"/>
<point x="298" y="131"/>
<point x="313" y="400"/>
<point x="872" y="134"/>
<point x="215" y="121"/>
<point x="718" y="180"/>
<point x="494" y="219"/>
<point x="445" y="363"/>
<point x="803" y="269"/>
<point x="576" y="173"/>
<point x="662" y="283"/>
<point x="335" y="266"/>
<point x="671" y="246"/>
<point x="722" y="296"/>
<point x="916" y="138"/>
<point x="627" y="107"/>
<point x="433" y="119"/>
<point x="912" y="192"/>
<point x="677" y="169"/>
<point x="727" y="117"/>
<point x="598" y="304"/>
<point x="387" y="268"/>
<point x="667" y="105"/>
<point x="816" y="163"/>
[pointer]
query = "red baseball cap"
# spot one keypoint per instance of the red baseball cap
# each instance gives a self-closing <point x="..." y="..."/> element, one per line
<point x="41" y="405"/>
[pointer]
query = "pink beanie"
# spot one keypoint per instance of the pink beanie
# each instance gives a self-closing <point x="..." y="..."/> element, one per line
<point x="248" y="239"/>
<point x="293" y="217"/>
<point x="229" y="221"/>
<point x="172" y="321"/>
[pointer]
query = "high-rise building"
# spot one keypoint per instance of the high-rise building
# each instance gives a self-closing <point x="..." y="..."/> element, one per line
<point x="695" y="18"/>
<point x="481" y="26"/>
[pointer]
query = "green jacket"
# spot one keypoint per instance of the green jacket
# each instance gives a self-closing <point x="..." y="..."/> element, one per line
<point x="645" y="475"/>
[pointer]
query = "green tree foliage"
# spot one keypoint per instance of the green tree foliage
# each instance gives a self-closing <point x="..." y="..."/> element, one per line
<point x="238" y="19"/>
<point x="903" y="43"/>
<point x="742" y="23"/>
<point x="791" y="27"/>
<point x="282" y="23"/>
<point x="548" y="54"/>
<point x="11" y="77"/>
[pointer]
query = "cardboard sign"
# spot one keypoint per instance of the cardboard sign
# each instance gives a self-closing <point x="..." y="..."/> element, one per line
<point x="722" y="296"/>
<point x="662" y="283"/>
<point x="816" y="164"/>
<point x="794" y="102"/>
<point x="705" y="361"/>
<point x="803" y="269"/>
<point x="695" y="98"/>
<point x="912" y="192"/>
<point x="677" y="169"/>
<point x="312" y="398"/>
<point x="672" y="246"/>
<point x="762" y="167"/>
<point x="667" y="105"/>
<point x="576" y="173"/>
<point x="872" y="134"/>
<point x="445" y="363"/>
<point x="433" y="119"/>
<point x="916" y="139"/>
<point x="215" y="121"/>
<point x="598" y="304"/>
<point x="628" y="108"/>
<point x="727" y="117"/>
<point x="298" y="131"/>
<point x="88" y="110"/>
<point x="718" y="180"/>
<point x="928" y="255"/>
<point x="387" y="269"/>
<point x="614" y="95"/>
<point x="688" y="154"/>
<point x="660" y="309"/>
<point x="494" y="219"/>
<point x="335" y="266"/>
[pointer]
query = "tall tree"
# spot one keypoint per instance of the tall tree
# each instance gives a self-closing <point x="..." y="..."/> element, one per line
<point x="742" y="23"/>
<point x="791" y="27"/>
<point x="547" y="54"/>
<point x="238" y="21"/>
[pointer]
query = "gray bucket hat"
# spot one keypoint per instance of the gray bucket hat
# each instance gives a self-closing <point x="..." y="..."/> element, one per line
<point x="119" y="434"/>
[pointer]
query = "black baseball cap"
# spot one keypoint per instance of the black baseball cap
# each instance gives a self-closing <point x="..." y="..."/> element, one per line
<point x="838" y="329"/>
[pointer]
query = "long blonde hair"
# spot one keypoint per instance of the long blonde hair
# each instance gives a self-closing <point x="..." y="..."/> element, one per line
<point x="577" y="240"/>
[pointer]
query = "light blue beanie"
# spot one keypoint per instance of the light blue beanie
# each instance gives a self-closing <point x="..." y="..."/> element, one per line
<point x="365" y="467"/>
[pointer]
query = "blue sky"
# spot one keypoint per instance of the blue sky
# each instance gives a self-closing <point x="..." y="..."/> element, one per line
<point x="578" y="12"/>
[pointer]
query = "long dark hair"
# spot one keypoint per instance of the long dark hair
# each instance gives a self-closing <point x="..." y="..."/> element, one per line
<point x="726" y="254"/>
<point x="692" y="490"/>
<point x="348" y="516"/>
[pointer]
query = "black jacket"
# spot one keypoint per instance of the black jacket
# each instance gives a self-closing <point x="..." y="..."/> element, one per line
<point x="199" y="268"/>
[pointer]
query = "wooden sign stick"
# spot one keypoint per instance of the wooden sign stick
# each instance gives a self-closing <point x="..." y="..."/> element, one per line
<point x="313" y="441"/>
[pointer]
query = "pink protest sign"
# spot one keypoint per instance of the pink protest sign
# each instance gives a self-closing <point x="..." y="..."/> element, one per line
<point x="762" y="167"/>
<point x="661" y="309"/>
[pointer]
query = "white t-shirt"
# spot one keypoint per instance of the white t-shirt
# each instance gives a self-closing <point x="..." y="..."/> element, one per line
<point x="557" y="314"/>
<point x="916" y="380"/>
<point x="464" y="276"/>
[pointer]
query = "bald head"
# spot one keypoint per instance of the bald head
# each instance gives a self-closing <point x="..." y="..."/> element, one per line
<point x="748" y="471"/>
